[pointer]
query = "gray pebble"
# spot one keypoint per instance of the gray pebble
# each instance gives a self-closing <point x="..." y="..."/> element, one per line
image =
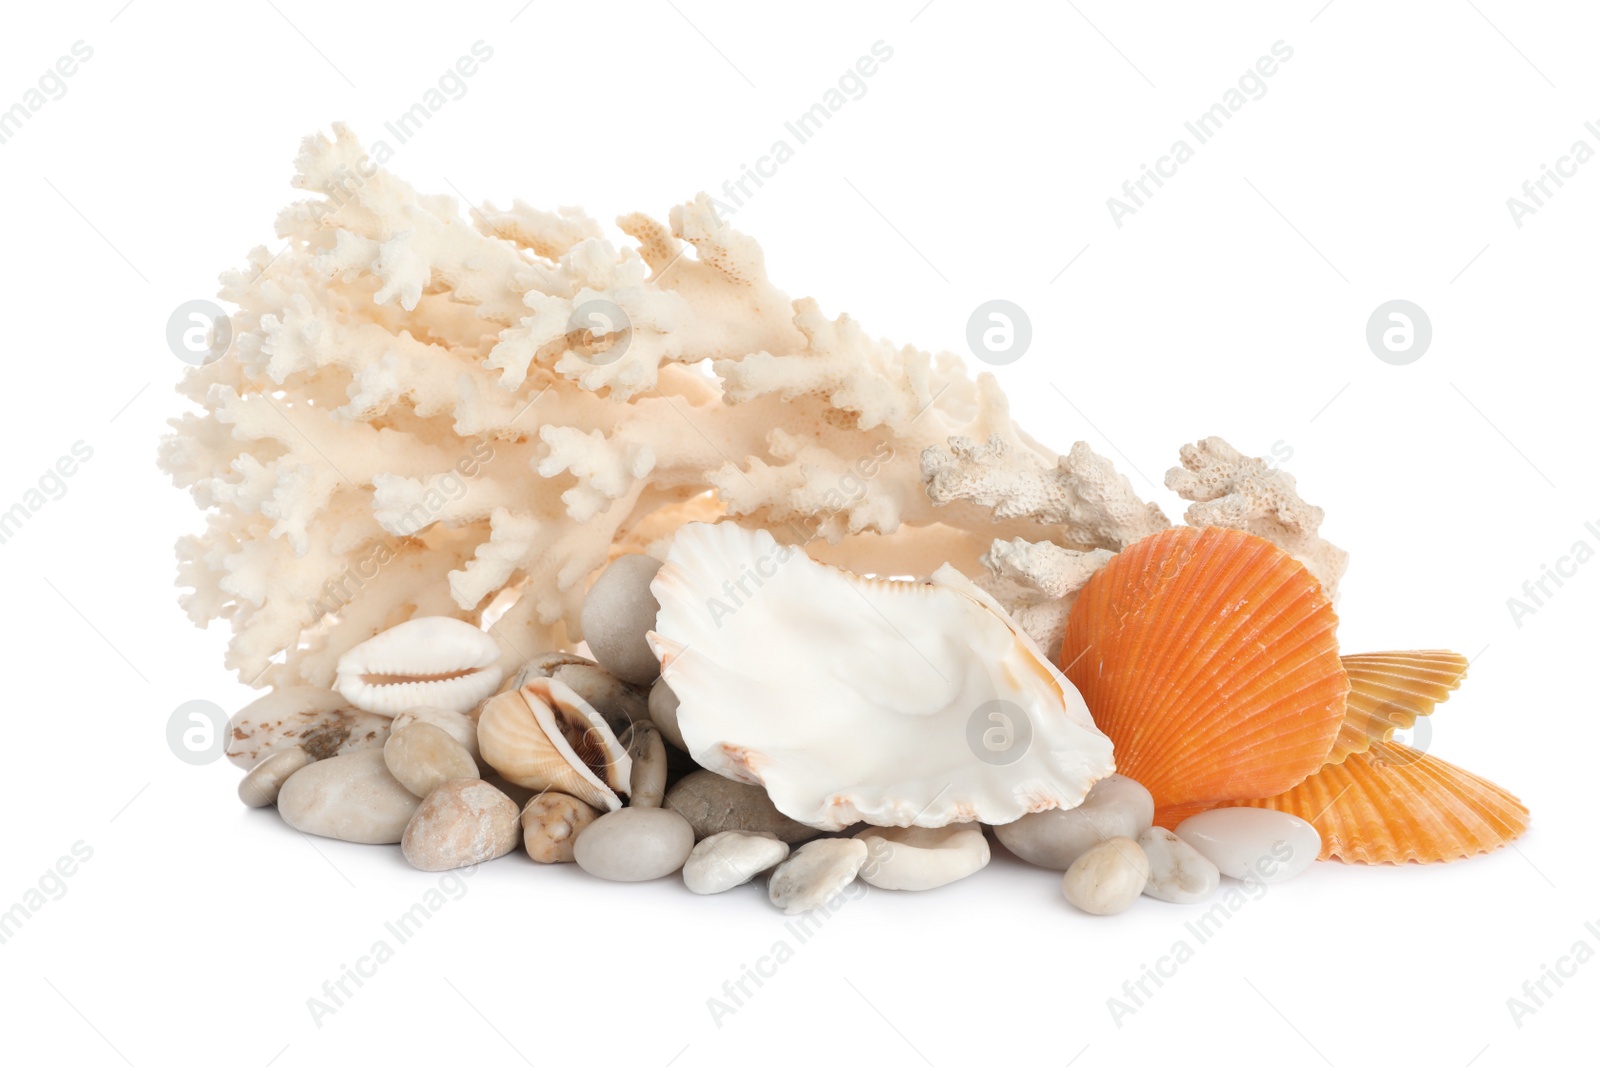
<point x="1117" y="806"/>
<point x="634" y="844"/>
<point x="617" y="611"/>
<point x="648" y="782"/>
<point x="713" y="804"/>
<point x="664" y="713"/>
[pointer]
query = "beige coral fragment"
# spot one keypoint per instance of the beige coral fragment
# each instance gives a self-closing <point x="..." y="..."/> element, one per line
<point x="1243" y="493"/>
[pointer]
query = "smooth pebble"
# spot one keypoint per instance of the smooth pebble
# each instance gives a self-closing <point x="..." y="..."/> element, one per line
<point x="731" y="858"/>
<point x="551" y="823"/>
<point x="460" y="727"/>
<point x="617" y="612"/>
<point x="1108" y="877"/>
<point x="664" y="713"/>
<point x="816" y="873"/>
<point x="1178" y="873"/>
<point x="713" y="804"/>
<point x="462" y="822"/>
<point x="1255" y="844"/>
<point x="919" y="857"/>
<point x="260" y="787"/>
<point x="352" y="797"/>
<point x="634" y="844"/>
<point x="423" y="757"/>
<point x="1117" y="806"/>
<point x="647" y="784"/>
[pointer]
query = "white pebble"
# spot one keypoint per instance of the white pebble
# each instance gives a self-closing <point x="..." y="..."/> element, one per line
<point x="731" y="858"/>
<point x="1117" y="806"/>
<point x="1108" y="877"/>
<point x="634" y="844"/>
<point x="617" y="611"/>
<point x="816" y="873"/>
<point x="1178" y="873"/>
<point x="1255" y="844"/>
<point x="919" y="857"/>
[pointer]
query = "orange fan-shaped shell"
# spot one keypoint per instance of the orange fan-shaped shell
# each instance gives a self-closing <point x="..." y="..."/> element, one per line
<point x="1392" y="803"/>
<point x="1208" y="657"/>
<point x="1388" y="690"/>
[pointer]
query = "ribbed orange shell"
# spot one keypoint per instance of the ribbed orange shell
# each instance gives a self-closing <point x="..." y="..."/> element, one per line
<point x="1393" y="803"/>
<point x="1388" y="690"/>
<point x="1208" y="657"/>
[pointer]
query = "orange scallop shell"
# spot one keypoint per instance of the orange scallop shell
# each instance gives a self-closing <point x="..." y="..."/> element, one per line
<point x="1392" y="803"/>
<point x="1208" y="657"/>
<point x="1388" y="690"/>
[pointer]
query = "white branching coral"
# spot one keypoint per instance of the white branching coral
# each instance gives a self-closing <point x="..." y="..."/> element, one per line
<point x="1081" y="494"/>
<point x="1243" y="493"/>
<point x="424" y="414"/>
<point x="1038" y="582"/>
<point x="1088" y="512"/>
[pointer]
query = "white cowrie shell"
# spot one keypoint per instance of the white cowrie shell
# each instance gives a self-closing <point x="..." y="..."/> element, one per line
<point x="435" y="661"/>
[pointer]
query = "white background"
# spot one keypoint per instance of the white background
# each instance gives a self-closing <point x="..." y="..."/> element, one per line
<point x="977" y="165"/>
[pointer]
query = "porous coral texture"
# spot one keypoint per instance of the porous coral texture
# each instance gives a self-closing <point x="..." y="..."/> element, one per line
<point x="1242" y="492"/>
<point x="428" y="411"/>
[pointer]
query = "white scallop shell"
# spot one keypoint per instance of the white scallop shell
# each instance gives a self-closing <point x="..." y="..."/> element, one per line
<point x="434" y="661"/>
<point x="860" y="699"/>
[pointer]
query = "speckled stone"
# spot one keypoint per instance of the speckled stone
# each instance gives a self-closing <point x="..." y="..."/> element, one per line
<point x="1108" y="877"/>
<point x="462" y="822"/>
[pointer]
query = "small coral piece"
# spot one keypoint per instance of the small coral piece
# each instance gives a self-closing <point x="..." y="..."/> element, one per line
<point x="1080" y="493"/>
<point x="1038" y="582"/>
<point x="1243" y="493"/>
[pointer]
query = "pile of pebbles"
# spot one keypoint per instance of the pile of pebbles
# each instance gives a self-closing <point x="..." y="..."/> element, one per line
<point x="418" y="780"/>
